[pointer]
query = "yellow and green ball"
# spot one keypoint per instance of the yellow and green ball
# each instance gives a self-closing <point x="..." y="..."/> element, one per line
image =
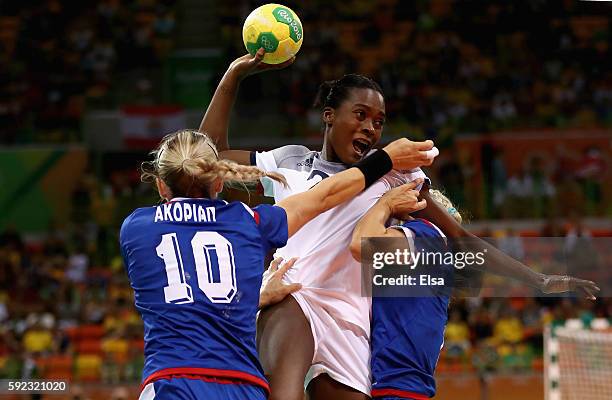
<point x="277" y="29"/>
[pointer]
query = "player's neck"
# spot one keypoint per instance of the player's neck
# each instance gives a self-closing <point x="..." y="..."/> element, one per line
<point x="328" y="153"/>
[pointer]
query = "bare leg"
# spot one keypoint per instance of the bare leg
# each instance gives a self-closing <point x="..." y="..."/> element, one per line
<point x="286" y="348"/>
<point x="323" y="387"/>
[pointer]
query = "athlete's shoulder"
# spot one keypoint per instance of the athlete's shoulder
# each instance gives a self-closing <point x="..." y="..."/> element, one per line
<point x="136" y="217"/>
<point x="240" y="207"/>
<point x="267" y="211"/>
<point x="133" y="224"/>
<point x="422" y="226"/>
<point x="293" y="156"/>
<point x="241" y="214"/>
<point x="292" y="150"/>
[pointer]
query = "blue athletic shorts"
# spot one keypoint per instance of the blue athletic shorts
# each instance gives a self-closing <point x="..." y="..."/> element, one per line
<point x="196" y="389"/>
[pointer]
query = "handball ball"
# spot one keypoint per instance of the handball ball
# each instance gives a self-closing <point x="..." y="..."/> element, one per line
<point x="277" y="29"/>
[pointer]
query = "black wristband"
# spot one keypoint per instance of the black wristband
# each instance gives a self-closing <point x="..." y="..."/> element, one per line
<point x="375" y="166"/>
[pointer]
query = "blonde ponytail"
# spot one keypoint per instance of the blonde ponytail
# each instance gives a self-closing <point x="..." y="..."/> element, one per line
<point x="187" y="162"/>
<point x="232" y="172"/>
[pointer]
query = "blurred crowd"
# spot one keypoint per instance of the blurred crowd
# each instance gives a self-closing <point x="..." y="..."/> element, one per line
<point x="497" y="334"/>
<point x="66" y="306"/>
<point x="64" y="316"/>
<point x="447" y="67"/>
<point x="451" y="67"/>
<point x="58" y="58"/>
<point x="562" y="182"/>
<point x="502" y="329"/>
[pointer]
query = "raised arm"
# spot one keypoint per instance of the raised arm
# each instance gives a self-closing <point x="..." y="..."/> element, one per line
<point x="216" y="120"/>
<point x="497" y="261"/>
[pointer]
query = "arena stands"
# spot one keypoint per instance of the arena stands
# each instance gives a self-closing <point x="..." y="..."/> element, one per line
<point x="59" y="60"/>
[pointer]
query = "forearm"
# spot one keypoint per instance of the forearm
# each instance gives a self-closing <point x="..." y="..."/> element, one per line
<point x="496" y="261"/>
<point x="335" y="190"/>
<point x="499" y="263"/>
<point x="327" y="194"/>
<point x="339" y="188"/>
<point x="372" y="224"/>
<point x="216" y="120"/>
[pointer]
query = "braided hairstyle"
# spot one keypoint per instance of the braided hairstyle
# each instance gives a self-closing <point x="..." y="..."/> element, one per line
<point x="445" y="202"/>
<point x="334" y="93"/>
<point x="187" y="161"/>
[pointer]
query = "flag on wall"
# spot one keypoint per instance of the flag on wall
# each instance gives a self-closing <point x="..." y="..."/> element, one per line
<point x="143" y="126"/>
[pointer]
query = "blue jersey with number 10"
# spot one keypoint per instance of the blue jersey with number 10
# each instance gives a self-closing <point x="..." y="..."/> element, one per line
<point x="196" y="267"/>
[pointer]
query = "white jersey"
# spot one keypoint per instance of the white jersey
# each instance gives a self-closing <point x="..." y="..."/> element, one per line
<point x="325" y="266"/>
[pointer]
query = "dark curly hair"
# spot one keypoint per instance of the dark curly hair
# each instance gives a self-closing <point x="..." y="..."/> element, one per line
<point x="333" y="93"/>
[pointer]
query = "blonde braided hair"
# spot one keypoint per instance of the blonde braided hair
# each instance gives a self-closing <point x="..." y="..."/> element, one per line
<point x="444" y="201"/>
<point x="187" y="162"/>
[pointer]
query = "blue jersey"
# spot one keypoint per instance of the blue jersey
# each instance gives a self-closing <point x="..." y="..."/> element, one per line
<point x="196" y="268"/>
<point x="408" y="333"/>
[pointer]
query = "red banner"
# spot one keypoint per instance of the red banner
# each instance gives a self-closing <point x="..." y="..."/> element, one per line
<point x="143" y="126"/>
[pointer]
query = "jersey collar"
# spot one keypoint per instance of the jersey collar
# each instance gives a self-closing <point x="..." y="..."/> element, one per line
<point x="175" y="199"/>
<point x="327" y="166"/>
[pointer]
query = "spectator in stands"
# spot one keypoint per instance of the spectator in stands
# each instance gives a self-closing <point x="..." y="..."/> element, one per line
<point x="531" y="318"/>
<point x="456" y="336"/>
<point x="115" y="348"/>
<point x="61" y="55"/>
<point x="508" y="328"/>
<point x="78" y="262"/>
<point x="532" y="191"/>
<point x="579" y="249"/>
<point x="591" y="173"/>
<point x="38" y="338"/>
<point x="481" y="324"/>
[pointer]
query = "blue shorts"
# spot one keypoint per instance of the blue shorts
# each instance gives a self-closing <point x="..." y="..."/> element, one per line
<point x="392" y="398"/>
<point x="195" y="389"/>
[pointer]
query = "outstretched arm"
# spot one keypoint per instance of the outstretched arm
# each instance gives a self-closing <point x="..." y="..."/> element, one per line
<point x="497" y="261"/>
<point x="399" y="154"/>
<point x="216" y="120"/>
<point x="327" y="194"/>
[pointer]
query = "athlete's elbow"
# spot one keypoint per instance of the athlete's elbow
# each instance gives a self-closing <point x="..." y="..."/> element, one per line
<point x="355" y="248"/>
<point x="362" y="246"/>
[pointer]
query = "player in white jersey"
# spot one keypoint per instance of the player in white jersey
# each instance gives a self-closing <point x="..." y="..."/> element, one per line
<point x="324" y="327"/>
<point x="324" y="241"/>
<point x="330" y="277"/>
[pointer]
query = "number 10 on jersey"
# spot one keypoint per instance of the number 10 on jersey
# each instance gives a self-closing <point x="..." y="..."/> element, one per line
<point x="214" y="264"/>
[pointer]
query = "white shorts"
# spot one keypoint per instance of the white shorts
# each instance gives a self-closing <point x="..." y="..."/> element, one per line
<point x="341" y="349"/>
